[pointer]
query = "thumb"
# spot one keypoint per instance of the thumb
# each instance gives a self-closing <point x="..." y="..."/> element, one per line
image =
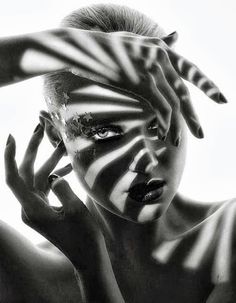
<point x="64" y="193"/>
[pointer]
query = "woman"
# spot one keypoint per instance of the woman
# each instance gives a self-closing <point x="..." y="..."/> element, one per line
<point x="123" y="126"/>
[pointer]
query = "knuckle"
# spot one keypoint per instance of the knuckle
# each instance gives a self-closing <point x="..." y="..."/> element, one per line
<point x="23" y="170"/>
<point x="162" y="54"/>
<point x="175" y="104"/>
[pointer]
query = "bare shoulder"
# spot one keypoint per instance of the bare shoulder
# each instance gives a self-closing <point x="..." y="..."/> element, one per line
<point x="33" y="274"/>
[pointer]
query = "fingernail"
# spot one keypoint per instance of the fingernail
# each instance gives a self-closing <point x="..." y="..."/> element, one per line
<point x="9" y="139"/>
<point x="177" y="142"/>
<point x="37" y="128"/>
<point x="221" y="98"/>
<point x="200" y="133"/>
<point x="173" y="33"/>
<point x="52" y="178"/>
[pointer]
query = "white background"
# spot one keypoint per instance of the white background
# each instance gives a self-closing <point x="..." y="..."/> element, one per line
<point x="206" y="36"/>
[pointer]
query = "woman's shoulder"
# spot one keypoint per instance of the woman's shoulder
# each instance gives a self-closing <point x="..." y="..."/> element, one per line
<point x="189" y="215"/>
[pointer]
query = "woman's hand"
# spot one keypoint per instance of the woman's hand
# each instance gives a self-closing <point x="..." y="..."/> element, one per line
<point x="144" y="66"/>
<point x="71" y="227"/>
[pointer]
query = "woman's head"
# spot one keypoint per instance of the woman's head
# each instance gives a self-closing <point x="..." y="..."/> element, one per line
<point x="110" y="135"/>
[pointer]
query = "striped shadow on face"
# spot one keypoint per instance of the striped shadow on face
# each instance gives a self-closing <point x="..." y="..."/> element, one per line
<point x="98" y="165"/>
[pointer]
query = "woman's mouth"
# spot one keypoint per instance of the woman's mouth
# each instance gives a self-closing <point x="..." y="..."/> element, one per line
<point x="148" y="192"/>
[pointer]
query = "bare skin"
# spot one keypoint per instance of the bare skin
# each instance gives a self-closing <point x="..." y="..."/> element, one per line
<point x="137" y="273"/>
<point x="137" y="279"/>
<point x="46" y="274"/>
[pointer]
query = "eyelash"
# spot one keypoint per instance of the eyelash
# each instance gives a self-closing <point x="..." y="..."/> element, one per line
<point x="153" y="126"/>
<point x="117" y="132"/>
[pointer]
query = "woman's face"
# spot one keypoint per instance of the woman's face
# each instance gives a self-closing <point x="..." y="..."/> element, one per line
<point x="112" y="141"/>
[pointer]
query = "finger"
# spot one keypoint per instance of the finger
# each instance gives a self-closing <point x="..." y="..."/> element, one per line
<point x="186" y="106"/>
<point x="190" y="72"/>
<point x="175" y="128"/>
<point x="65" y="194"/>
<point x="182" y="92"/>
<point x="26" y="169"/>
<point x="40" y="182"/>
<point x="63" y="171"/>
<point x="170" y="96"/>
<point x="33" y="205"/>
<point x="160" y="105"/>
<point x="118" y="48"/>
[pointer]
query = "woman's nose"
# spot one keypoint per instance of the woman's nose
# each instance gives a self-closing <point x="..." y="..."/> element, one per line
<point x="146" y="163"/>
<point x="145" y="159"/>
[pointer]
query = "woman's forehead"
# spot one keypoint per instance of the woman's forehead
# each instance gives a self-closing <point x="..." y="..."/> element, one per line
<point x="96" y="100"/>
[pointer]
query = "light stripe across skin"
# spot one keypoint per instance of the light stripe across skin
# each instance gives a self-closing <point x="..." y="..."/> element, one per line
<point x="95" y="90"/>
<point x="79" y="144"/>
<point x="116" y="198"/>
<point x="201" y="82"/>
<point x="152" y="57"/>
<point x="94" y="108"/>
<point x="94" y="49"/>
<point x="165" y="250"/>
<point x="180" y="63"/>
<point x="89" y="75"/>
<point x="147" y="212"/>
<point x="222" y="262"/>
<point x="160" y="151"/>
<point x="137" y="157"/>
<point x="98" y="165"/>
<point x="35" y="61"/>
<point x="177" y="84"/>
<point x="202" y="244"/>
<point x="51" y="42"/>
<point x="191" y="73"/>
<point x="119" y="51"/>
<point x="151" y="165"/>
<point x="136" y="48"/>
<point x="212" y="91"/>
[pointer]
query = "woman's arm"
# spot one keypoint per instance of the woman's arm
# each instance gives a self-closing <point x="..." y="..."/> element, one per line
<point x="144" y="66"/>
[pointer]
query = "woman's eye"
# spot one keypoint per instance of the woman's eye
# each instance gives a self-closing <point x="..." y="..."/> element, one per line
<point x="105" y="133"/>
<point x="153" y="127"/>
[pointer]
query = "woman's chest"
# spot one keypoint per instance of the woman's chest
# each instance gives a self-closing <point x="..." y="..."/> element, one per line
<point x="145" y="276"/>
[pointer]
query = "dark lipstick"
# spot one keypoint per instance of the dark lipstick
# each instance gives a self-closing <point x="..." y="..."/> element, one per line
<point x="147" y="192"/>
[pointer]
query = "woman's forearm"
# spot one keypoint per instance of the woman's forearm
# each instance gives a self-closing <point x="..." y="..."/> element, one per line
<point x="97" y="281"/>
<point x="26" y="56"/>
<point x="11" y="51"/>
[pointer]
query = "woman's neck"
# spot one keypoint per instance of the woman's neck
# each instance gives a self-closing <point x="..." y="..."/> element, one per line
<point x="180" y="217"/>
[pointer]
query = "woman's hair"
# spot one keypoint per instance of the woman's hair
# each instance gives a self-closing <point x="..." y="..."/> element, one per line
<point x="106" y="18"/>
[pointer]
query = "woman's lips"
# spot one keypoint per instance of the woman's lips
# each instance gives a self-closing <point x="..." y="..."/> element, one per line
<point x="148" y="192"/>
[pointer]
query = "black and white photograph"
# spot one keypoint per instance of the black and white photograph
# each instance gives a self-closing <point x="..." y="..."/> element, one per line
<point x="117" y="151"/>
